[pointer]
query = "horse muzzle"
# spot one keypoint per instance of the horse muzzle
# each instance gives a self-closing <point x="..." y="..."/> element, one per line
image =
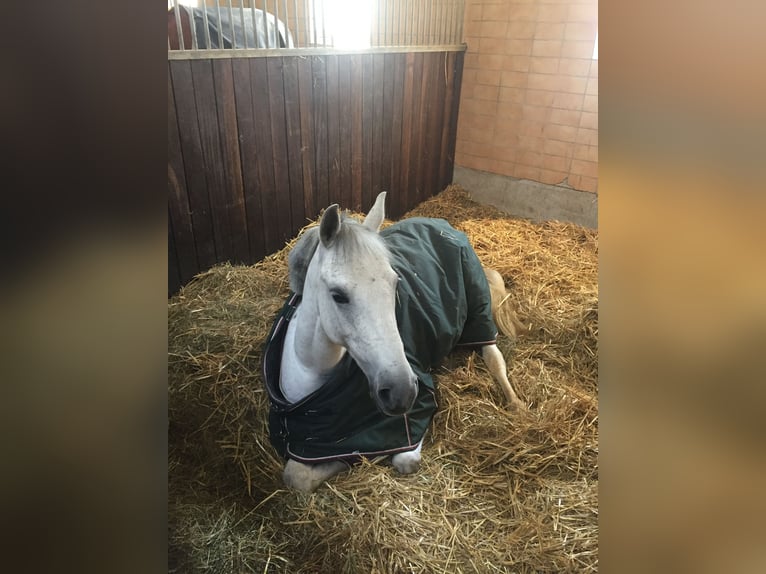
<point x="395" y="392"/>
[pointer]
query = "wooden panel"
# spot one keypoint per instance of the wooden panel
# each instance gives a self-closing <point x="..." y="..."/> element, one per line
<point x="179" y="213"/>
<point x="233" y="191"/>
<point x="434" y="125"/>
<point x="256" y="146"/>
<point x="415" y="151"/>
<point x="248" y="150"/>
<point x="281" y="191"/>
<point x="455" y="86"/>
<point x="345" y="119"/>
<point x="386" y="85"/>
<point x="449" y="68"/>
<point x="376" y="167"/>
<point x="204" y="94"/>
<point x="333" y="130"/>
<point x="319" y="74"/>
<point x="294" y="154"/>
<point x="407" y="113"/>
<point x="368" y="88"/>
<point x="305" y="86"/>
<point x="264" y="158"/>
<point x="174" y="276"/>
<point x="193" y="162"/>
<point x="422" y="151"/>
<point x="394" y="203"/>
<point x="356" y="132"/>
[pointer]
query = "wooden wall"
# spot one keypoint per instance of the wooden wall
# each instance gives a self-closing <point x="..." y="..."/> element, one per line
<point x="259" y="146"/>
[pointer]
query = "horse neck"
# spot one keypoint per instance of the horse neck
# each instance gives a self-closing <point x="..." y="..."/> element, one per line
<point x="314" y="349"/>
<point x="308" y="353"/>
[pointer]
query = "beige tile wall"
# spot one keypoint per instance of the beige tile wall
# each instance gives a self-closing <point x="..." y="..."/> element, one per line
<point x="529" y="102"/>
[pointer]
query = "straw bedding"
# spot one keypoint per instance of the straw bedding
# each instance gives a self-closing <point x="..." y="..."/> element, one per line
<point x="497" y="492"/>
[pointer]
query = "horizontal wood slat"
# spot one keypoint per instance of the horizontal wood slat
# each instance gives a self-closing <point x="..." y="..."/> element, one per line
<point x="258" y="147"/>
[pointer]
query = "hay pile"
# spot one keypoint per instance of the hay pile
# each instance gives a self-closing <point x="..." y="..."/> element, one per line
<point x="495" y="493"/>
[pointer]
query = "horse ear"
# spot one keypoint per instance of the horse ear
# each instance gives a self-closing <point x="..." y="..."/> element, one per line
<point x="329" y="225"/>
<point x="377" y="214"/>
<point x="299" y="258"/>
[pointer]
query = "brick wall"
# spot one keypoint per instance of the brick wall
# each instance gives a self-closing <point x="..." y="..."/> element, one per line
<point x="529" y="103"/>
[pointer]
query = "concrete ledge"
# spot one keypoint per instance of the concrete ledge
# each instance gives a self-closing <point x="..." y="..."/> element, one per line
<point x="529" y="199"/>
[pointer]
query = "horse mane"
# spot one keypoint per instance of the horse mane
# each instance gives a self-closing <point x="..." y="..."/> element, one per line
<point x="352" y="241"/>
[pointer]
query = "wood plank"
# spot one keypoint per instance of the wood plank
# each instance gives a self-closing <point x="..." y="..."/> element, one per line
<point x="333" y="131"/>
<point x="455" y="86"/>
<point x="279" y="150"/>
<point x="387" y="85"/>
<point x="413" y="191"/>
<point x="435" y="113"/>
<point x="306" y="88"/>
<point x="424" y="154"/>
<point x="378" y="87"/>
<point x="247" y="147"/>
<point x="194" y="167"/>
<point x="319" y="74"/>
<point x="345" y="118"/>
<point x="178" y="201"/>
<point x="264" y="157"/>
<point x="407" y="115"/>
<point x="232" y="169"/>
<point x="394" y="199"/>
<point x="174" y="275"/>
<point x="368" y="127"/>
<point x="207" y="115"/>
<point x="294" y="156"/>
<point x="356" y="131"/>
<point x="444" y="180"/>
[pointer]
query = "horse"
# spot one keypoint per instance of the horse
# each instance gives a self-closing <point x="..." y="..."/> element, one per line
<point x="347" y="363"/>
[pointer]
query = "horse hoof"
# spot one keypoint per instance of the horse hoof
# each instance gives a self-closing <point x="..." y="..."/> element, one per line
<point x="406" y="462"/>
<point x="299" y="476"/>
<point x="517" y="405"/>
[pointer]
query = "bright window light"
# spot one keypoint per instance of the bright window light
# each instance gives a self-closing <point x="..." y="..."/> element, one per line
<point x="348" y="23"/>
<point x="595" y="48"/>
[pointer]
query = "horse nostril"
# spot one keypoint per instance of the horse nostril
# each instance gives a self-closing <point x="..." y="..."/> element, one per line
<point x="384" y="395"/>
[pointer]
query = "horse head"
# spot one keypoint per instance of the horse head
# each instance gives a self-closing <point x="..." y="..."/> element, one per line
<point x="343" y="272"/>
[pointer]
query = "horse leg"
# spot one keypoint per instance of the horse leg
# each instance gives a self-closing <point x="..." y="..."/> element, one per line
<point x="495" y="362"/>
<point x="408" y="462"/>
<point x="309" y="477"/>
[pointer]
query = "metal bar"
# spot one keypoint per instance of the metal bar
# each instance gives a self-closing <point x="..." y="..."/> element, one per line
<point x="383" y="40"/>
<point x="394" y="21"/>
<point x="207" y="27"/>
<point x="429" y="14"/>
<point x="176" y="9"/>
<point x="459" y="38"/>
<point x="421" y="22"/>
<point x="280" y="53"/>
<point x="220" y="28"/>
<point x="324" y="31"/>
<point x="242" y="16"/>
<point x="442" y="22"/>
<point x="231" y="27"/>
<point x="195" y="45"/>
<point x="286" y="19"/>
<point x="253" y="11"/>
<point x="276" y="23"/>
<point x="265" y="19"/>
<point x="314" y="21"/>
<point x="453" y="21"/>
<point x="371" y="30"/>
<point x="408" y="18"/>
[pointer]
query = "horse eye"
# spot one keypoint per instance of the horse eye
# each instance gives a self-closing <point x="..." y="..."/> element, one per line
<point x="339" y="296"/>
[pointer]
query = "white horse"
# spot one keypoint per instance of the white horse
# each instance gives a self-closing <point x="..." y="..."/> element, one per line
<point x="343" y="272"/>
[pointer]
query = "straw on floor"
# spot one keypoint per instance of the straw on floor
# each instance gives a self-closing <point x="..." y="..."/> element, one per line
<point x="497" y="491"/>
